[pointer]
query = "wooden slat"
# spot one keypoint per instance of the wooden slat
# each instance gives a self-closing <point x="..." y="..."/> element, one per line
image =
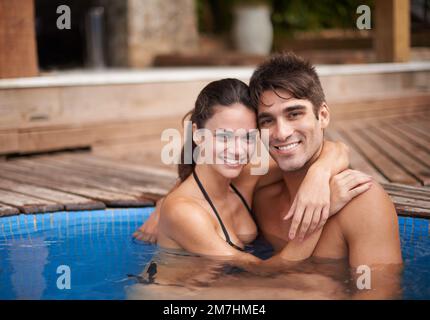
<point x="138" y="169"/>
<point x="415" y="168"/>
<point x="39" y="169"/>
<point x="419" y="154"/>
<point x="120" y="179"/>
<point x="69" y="201"/>
<point x="383" y="163"/>
<point x="140" y="173"/>
<point x="418" y="140"/>
<point x="357" y="161"/>
<point x="6" y="210"/>
<point x="28" y="204"/>
<point x="111" y="199"/>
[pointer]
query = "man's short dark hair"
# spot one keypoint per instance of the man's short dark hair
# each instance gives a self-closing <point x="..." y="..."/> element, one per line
<point x="286" y="71"/>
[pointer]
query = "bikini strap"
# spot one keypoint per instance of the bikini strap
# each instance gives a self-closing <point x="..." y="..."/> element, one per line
<point x="208" y="199"/>
<point x="242" y="198"/>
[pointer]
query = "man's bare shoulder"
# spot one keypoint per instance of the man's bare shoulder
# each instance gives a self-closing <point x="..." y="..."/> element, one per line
<point x="369" y="210"/>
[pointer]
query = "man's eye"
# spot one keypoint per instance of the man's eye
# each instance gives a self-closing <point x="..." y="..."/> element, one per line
<point x="294" y="114"/>
<point x="265" y="122"/>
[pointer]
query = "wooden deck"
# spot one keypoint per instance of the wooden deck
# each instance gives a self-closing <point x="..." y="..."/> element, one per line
<point x="389" y="139"/>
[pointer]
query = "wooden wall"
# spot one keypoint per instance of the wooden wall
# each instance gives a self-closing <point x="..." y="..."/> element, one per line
<point x="18" y="55"/>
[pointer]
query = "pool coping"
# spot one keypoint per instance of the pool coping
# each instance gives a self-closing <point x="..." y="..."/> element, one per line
<point x="186" y="74"/>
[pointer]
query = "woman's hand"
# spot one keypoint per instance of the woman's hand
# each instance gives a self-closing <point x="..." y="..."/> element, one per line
<point x="311" y="206"/>
<point x="345" y="186"/>
<point x="149" y="230"/>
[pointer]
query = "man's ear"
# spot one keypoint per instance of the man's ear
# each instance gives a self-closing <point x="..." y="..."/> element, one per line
<point x="324" y="115"/>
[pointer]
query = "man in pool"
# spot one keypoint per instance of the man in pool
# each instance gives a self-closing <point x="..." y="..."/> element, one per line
<point x="291" y="106"/>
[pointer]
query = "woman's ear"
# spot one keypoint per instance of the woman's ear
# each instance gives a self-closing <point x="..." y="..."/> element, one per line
<point x="196" y="137"/>
<point x="324" y="115"/>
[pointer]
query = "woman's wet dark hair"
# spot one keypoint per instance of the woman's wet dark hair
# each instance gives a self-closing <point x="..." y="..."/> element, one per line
<point x="224" y="92"/>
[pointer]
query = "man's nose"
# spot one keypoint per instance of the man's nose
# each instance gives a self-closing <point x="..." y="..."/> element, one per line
<point x="282" y="130"/>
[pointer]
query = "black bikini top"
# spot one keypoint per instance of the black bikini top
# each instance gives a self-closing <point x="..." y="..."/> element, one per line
<point x="208" y="199"/>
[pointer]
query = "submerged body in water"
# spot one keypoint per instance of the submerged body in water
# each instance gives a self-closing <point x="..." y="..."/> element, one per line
<point x="176" y="274"/>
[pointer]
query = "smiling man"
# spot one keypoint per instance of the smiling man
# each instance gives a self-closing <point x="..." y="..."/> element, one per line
<point x="291" y="106"/>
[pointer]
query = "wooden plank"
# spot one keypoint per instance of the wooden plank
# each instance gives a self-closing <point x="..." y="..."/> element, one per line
<point x="422" y="191"/>
<point x="408" y="211"/>
<point x="53" y="174"/>
<point x="136" y="173"/>
<point x="414" y="203"/>
<point x="383" y="163"/>
<point x="131" y="181"/>
<point x="409" y="195"/>
<point x="28" y="204"/>
<point x="111" y="199"/>
<point x="69" y="201"/>
<point x="18" y="56"/>
<point x="146" y="170"/>
<point x="357" y="161"/>
<point x="415" y="168"/>
<point x="415" y="128"/>
<point x="392" y="32"/>
<point x="418" y="140"/>
<point x="6" y="210"/>
<point x="9" y="142"/>
<point x="418" y="153"/>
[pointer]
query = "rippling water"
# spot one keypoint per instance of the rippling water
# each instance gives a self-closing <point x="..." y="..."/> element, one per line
<point x="105" y="263"/>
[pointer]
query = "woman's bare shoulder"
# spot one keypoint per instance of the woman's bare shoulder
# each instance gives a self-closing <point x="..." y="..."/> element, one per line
<point x="178" y="204"/>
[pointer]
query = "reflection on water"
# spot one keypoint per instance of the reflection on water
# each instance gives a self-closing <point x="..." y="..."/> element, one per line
<point x="170" y="275"/>
<point x="106" y="263"/>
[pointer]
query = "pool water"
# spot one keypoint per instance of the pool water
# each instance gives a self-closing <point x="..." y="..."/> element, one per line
<point x="94" y="253"/>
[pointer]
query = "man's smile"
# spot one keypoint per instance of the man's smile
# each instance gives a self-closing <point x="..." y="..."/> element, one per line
<point x="286" y="148"/>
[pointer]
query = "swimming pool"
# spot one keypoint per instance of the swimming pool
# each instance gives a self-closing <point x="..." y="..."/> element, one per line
<point x="96" y="250"/>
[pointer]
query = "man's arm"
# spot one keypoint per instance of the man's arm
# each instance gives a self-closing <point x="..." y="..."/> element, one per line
<point x="369" y="225"/>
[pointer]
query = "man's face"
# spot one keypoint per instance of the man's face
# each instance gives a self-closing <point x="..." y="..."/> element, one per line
<point x="295" y="134"/>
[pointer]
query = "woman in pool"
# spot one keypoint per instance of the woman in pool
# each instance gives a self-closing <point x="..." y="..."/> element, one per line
<point x="209" y="212"/>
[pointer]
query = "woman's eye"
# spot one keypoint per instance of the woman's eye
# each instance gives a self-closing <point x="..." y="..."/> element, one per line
<point x="250" y="138"/>
<point x="223" y="137"/>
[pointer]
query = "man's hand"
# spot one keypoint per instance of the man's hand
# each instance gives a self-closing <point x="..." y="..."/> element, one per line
<point x="149" y="230"/>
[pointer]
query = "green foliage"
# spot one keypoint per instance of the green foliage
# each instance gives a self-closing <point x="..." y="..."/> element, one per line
<point x="295" y="15"/>
<point x="287" y="15"/>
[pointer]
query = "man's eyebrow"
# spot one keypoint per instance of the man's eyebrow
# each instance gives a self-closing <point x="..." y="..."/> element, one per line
<point x="294" y="108"/>
<point x="264" y="115"/>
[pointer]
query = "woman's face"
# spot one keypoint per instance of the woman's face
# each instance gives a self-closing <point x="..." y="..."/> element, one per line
<point x="234" y="132"/>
